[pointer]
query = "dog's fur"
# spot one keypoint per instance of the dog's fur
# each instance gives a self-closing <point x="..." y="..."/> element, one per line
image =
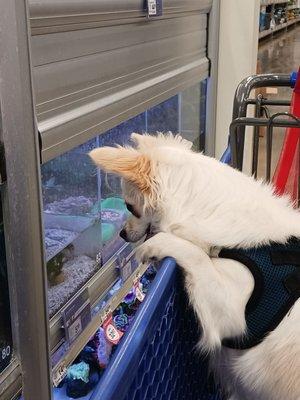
<point x="194" y="204"/>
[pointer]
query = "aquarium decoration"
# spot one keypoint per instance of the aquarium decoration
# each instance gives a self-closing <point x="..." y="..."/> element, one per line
<point x="54" y="270"/>
<point x="71" y="223"/>
<point x="76" y="272"/>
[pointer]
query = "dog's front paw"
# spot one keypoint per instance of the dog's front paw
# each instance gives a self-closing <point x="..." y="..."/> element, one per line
<point x="154" y="249"/>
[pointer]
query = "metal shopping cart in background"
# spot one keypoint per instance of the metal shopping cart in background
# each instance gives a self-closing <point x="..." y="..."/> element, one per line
<point x="286" y="175"/>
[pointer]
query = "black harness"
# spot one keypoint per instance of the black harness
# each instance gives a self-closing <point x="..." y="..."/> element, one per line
<point x="276" y="272"/>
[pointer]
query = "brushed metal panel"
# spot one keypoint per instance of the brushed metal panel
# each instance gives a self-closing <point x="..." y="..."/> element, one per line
<point x="78" y="125"/>
<point x="84" y="76"/>
<point x="57" y="14"/>
<point x="88" y="80"/>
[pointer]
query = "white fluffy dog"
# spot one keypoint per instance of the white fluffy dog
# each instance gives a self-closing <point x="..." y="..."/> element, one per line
<point x="193" y="205"/>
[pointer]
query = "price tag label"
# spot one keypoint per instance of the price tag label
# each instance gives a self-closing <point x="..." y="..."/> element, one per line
<point x="59" y="374"/>
<point x="77" y="316"/>
<point x="75" y="329"/>
<point x="155" y="8"/>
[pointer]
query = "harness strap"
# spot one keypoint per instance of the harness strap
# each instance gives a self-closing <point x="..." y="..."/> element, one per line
<point x="276" y="274"/>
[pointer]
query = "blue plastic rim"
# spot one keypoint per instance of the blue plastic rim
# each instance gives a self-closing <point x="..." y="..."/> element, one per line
<point x="293" y="78"/>
<point x="226" y="157"/>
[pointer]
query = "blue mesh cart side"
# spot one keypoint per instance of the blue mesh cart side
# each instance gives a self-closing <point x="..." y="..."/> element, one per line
<point x="157" y="359"/>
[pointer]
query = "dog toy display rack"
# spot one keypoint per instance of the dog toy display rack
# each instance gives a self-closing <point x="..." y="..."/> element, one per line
<point x="288" y="165"/>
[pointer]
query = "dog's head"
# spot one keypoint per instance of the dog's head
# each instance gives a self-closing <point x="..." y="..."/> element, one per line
<point x="152" y="180"/>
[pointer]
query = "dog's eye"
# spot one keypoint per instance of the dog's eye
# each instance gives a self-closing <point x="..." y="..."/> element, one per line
<point x="131" y="209"/>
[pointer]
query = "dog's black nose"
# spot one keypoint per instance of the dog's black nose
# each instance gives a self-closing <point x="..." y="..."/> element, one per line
<point x="123" y="235"/>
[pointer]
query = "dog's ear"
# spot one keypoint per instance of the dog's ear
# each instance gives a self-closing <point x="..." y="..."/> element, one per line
<point x="144" y="141"/>
<point x="126" y="162"/>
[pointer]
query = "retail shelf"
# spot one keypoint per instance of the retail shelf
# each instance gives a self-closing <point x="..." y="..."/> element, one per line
<point x="96" y="286"/>
<point x="293" y="21"/>
<point x="270" y="2"/>
<point x="278" y="28"/>
<point x="71" y="353"/>
<point x="10" y="381"/>
<point x="294" y="7"/>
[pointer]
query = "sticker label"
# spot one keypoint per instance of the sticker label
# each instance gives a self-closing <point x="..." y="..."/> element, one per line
<point x="59" y="374"/>
<point x="154" y="8"/>
<point x="113" y="335"/>
<point x="77" y="316"/>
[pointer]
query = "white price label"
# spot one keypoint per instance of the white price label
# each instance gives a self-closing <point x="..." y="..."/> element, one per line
<point x="112" y="333"/>
<point x="152" y="7"/>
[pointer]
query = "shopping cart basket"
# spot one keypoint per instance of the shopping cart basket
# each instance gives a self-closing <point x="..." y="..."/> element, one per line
<point x="286" y="177"/>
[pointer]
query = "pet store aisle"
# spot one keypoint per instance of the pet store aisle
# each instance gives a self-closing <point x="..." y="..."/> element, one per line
<point x="278" y="54"/>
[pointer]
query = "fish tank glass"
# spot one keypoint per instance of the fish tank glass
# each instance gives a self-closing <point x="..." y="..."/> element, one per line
<point x="5" y="326"/>
<point x="184" y="113"/>
<point x="83" y="208"/>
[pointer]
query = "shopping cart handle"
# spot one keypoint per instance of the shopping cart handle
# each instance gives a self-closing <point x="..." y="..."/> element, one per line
<point x="293" y="78"/>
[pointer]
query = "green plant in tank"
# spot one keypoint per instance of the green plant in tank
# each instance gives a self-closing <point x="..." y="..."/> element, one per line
<point x="54" y="268"/>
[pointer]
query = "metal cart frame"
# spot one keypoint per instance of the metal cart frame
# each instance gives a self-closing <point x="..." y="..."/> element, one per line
<point x="262" y="118"/>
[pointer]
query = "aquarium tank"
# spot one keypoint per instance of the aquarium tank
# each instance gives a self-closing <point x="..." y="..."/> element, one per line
<point x="83" y="209"/>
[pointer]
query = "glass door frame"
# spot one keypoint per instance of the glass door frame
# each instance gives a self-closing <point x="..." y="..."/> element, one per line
<point x="22" y="204"/>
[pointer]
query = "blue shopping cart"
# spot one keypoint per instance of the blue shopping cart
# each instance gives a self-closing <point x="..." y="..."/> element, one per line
<point x="158" y="359"/>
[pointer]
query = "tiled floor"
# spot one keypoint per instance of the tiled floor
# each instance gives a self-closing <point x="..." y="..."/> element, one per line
<point x="278" y="54"/>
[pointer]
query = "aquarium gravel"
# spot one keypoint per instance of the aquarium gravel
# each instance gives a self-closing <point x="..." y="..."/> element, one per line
<point x="76" y="272"/>
<point x="57" y="239"/>
<point x="73" y="205"/>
